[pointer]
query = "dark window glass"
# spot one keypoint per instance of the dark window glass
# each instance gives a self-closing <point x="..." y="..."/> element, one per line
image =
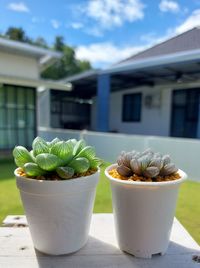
<point x="185" y="111"/>
<point x="132" y="107"/>
<point x="17" y="116"/>
<point x="69" y="112"/>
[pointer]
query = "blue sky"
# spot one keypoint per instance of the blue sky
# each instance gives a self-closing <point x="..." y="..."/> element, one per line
<point x="103" y="31"/>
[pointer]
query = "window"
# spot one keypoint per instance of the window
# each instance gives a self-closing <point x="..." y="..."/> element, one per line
<point x="68" y="111"/>
<point x="17" y="116"/>
<point x="132" y="107"/>
<point x="185" y="112"/>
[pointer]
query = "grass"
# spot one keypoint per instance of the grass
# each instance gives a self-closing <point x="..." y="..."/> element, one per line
<point x="188" y="207"/>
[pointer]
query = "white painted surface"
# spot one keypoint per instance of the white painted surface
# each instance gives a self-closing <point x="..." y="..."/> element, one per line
<point x="18" y="65"/>
<point x="43" y="108"/>
<point x="101" y="250"/>
<point x="154" y="121"/>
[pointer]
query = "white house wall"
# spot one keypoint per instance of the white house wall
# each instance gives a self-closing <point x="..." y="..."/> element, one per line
<point x="154" y="121"/>
<point x="43" y="108"/>
<point x="18" y="66"/>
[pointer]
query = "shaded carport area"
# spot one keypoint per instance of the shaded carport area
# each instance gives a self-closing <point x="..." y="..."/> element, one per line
<point x="181" y="67"/>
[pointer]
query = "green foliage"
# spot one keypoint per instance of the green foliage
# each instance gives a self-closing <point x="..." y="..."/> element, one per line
<point x="17" y="34"/>
<point x="65" y="158"/>
<point x="67" y="65"/>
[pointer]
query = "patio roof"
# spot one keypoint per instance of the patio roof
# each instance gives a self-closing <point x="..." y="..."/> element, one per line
<point x="44" y="56"/>
<point x="173" y="61"/>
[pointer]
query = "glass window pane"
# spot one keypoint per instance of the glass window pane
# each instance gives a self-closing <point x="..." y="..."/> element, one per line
<point x="2" y="118"/>
<point x="21" y="119"/>
<point x="30" y="133"/>
<point x="2" y="96"/>
<point x="12" y="138"/>
<point x="11" y="96"/>
<point x="30" y="98"/>
<point x="132" y="107"/>
<point x="180" y="97"/>
<point x="21" y="137"/>
<point x="55" y="120"/>
<point x="3" y="139"/>
<point x="21" y="97"/>
<point x="11" y="117"/>
<point x="30" y="118"/>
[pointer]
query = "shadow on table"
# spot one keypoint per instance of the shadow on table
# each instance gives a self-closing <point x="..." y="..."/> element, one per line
<point x="97" y="253"/>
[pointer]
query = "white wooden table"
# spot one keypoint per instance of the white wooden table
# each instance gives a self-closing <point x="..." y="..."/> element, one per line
<point x="17" y="251"/>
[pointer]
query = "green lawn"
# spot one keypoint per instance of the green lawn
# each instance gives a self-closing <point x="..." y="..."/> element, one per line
<point x="188" y="207"/>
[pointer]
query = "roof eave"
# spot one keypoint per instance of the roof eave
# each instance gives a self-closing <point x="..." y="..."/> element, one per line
<point x="155" y="61"/>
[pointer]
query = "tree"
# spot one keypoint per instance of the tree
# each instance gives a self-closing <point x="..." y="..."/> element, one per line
<point x="67" y="65"/>
<point x="59" y="43"/>
<point x="17" y="34"/>
<point x="41" y="42"/>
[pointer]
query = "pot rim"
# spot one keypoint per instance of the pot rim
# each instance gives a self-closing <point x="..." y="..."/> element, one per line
<point x="139" y="183"/>
<point x="53" y="181"/>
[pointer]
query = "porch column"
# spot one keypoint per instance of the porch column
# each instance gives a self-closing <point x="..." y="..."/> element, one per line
<point x="103" y="99"/>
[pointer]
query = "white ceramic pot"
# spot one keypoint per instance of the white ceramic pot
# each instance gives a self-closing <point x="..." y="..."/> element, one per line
<point x="58" y="212"/>
<point x="143" y="214"/>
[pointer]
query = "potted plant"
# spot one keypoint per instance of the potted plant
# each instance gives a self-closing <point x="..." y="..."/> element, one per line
<point x="57" y="182"/>
<point x="144" y="192"/>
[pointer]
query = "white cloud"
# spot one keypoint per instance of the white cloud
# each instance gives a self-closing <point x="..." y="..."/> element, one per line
<point x="192" y="21"/>
<point x="111" y="13"/>
<point x="18" y="7"/>
<point x="77" y="25"/>
<point x="102" y="54"/>
<point x="37" y="20"/>
<point x="55" y="24"/>
<point x="169" y="6"/>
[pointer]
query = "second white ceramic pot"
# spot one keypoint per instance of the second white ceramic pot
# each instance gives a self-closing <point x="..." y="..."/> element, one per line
<point x="143" y="214"/>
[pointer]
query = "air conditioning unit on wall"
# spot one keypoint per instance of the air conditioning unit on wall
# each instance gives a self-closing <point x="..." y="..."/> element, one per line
<point x="152" y="100"/>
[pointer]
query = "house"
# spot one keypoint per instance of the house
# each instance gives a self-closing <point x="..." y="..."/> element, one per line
<point x="155" y="92"/>
<point x="21" y="112"/>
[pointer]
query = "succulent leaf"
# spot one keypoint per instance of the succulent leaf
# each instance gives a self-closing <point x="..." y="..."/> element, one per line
<point x="95" y="162"/>
<point x="80" y="164"/>
<point x="168" y="169"/>
<point x="166" y="159"/>
<point x="78" y="147"/>
<point x="156" y="162"/>
<point x="124" y="171"/>
<point x="135" y="166"/>
<point x="151" y="172"/>
<point x="40" y="146"/>
<point x="53" y="142"/>
<point x="48" y="161"/>
<point x="22" y="156"/>
<point x="87" y="152"/>
<point x="63" y="150"/>
<point x="32" y="169"/>
<point x="65" y="172"/>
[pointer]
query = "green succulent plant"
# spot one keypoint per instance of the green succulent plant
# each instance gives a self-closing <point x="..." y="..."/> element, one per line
<point x="146" y="164"/>
<point x="65" y="158"/>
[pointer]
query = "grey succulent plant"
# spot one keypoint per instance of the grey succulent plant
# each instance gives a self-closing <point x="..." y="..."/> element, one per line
<point x="65" y="158"/>
<point x="146" y="164"/>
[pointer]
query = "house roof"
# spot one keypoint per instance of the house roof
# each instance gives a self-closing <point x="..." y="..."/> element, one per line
<point x="186" y="41"/>
<point x="177" y="60"/>
<point x="44" y="56"/>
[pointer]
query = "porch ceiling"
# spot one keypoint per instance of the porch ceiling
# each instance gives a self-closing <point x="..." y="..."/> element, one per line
<point x="180" y="72"/>
<point x="166" y="74"/>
